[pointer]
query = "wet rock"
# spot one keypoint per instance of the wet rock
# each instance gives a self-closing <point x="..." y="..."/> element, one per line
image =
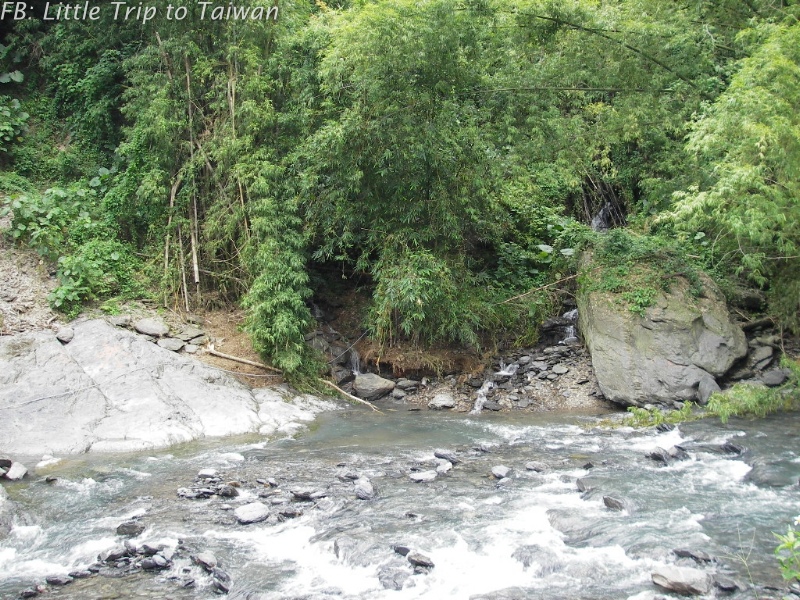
<point x="398" y="394"/>
<point x="582" y="485"/>
<point x="206" y="560"/>
<point x="536" y="466"/>
<point x="442" y="400"/>
<point x="16" y="472"/>
<point x="171" y="344"/>
<point x="58" y="579"/>
<point x="221" y="580"/>
<point x="444" y="466"/>
<point x="500" y="471"/>
<point x="65" y="335"/>
<point x="156" y="562"/>
<point x="422" y="476"/>
<point x="419" y="560"/>
<point x="393" y="578"/>
<point x="491" y="405"/>
<point x="613" y="503"/>
<point x="370" y="386"/>
<point x="364" y="489"/>
<point x="696" y="555"/>
<point x="207" y="474"/>
<point x="678" y="453"/>
<point x="83" y="574"/>
<point x="407" y="384"/>
<point x="731" y="448"/>
<point x="29" y="593"/>
<point x="227" y="491"/>
<point x="113" y="555"/>
<point x="153" y="327"/>
<point x="682" y="580"/>
<point x="664" y="427"/>
<point x="308" y="494"/>
<point x="660" y="455"/>
<point x="446" y="455"/>
<point x="254" y="512"/>
<point x="401" y="549"/>
<point x="774" y="377"/>
<point x="149" y="550"/>
<point x="725" y="584"/>
<point x="130" y="528"/>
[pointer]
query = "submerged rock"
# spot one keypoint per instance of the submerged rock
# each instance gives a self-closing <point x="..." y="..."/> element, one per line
<point x="423" y="476"/>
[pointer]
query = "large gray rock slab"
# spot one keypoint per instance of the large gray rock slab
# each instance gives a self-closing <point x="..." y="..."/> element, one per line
<point x="111" y="390"/>
<point x="370" y="386"/>
<point x="682" y="580"/>
<point x="681" y="342"/>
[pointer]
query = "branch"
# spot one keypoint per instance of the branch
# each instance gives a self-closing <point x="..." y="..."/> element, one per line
<point x="346" y="395"/>
<point x="538" y="289"/>
<point x="242" y="360"/>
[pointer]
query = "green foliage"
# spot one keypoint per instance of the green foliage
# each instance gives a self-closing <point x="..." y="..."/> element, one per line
<point x="788" y="552"/>
<point x="12" y="122"/>
<point x="744" y="400"/>
<point x="637" y="267"/>
<point x="651" y="417"/>
<point x="748" y="151"/>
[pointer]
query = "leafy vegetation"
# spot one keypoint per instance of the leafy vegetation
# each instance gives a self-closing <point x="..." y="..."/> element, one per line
<point x="443" y="158"/>
<point x="788" y="552"/>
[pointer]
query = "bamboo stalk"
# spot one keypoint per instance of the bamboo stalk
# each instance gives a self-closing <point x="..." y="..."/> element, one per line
<point x="183" y="269"/>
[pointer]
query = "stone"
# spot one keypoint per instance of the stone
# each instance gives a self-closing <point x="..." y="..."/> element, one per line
<point x="696" y="555"/>
<point x="678" y="453"/>
<point x="419" y="560"/>
<point x="221" y="580"/>
<point x="407" y="384"/>
<point x="29" y="593"/>
<point x="82" y="574"/>
<point x="254" y="512"/>
<point x="442" y="400"/>
<point x="760" y="354"/>
<point x="308" y="494"/>
<point x="613" y="503"/>
<point x="120" y="320"/>
<point x="171" y="344"/>
<point x="130" y="528"/>
<point x="370" y="386"/>
<point x="16" y="472"/>
<point x="663" y="356"/>
<point x="774" y="377"/>
<point x="189" y="333"/>
<point x="206" y="560"/>
<point x="58" y="579"/>
<point x="500" y="471"/>
<point x="401" y="549"/>
<point x="560" y="369"/>
<point x="582" y="485"/>
<point x="660" y="455"/>
<point x="191" y="348"/>
<point x="707" y="387"/>
<point x="444" y="466"/>
<point x="398" y="394"/>
<point x="153" y="327"/>
<point x="725" y="584"/>
<point x="446" y="455"/>
<point x="364" y="489"/>
<point x="207" y="474"/>
<point x="227" y="491"/>
<point x="65" y="335"/>
<point x="682" y="580"/>
<point x="536" y="466"/>
<point x="392" y="578"/>
<point x="422" y="476"/>
<point x="491" y="405"/>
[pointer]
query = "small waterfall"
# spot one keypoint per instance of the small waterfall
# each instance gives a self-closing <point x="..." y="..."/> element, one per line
<point x="507" y="370"/>
<point x="570" y="336"/>
<point x="481" y="399"/>
<point x="355" y="362"/>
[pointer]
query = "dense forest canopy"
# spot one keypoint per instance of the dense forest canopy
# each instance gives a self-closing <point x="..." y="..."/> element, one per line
<point x="444" y="156"/>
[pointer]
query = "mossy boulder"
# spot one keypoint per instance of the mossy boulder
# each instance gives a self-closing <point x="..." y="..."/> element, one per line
<point x="672" y="350"/>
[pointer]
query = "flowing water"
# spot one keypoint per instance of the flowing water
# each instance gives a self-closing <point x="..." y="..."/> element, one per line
<point x="532" y="534"/>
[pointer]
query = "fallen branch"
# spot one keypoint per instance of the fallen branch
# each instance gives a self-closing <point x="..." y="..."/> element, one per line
<point x="346" y="395"/>
<point x="538" y="289"/>
<point x="242" y="360"/>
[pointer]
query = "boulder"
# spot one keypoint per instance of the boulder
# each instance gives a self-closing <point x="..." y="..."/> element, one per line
<point x="442" y="400"/>
<point x="154" y="327"/>
<point x="255" y="512"/>
<point x="419" y="560"/>
<point x="130" y="528"/>
<point x="682" y="580"/>
<point x="774" y="377"/>
<point x="500" y="471"/>
<point x="613" y="503"/>
<point x="207" y="560"/>
<point x="664" y="355"/>
<point x="364" y="489"/>
<point x="109" y="390"/>
<point x="370" y="386"/>
<point x="16" y="472"/>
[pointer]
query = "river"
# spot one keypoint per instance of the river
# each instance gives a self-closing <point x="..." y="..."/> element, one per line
<point x="533" y="535"/>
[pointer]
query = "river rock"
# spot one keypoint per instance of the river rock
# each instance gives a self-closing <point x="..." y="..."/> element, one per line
<point x="16" y="472"/>
<point x="130" y="396"/>
<point x="189" y="333"/>
<point x="443" y="467"/>
<point x="254" y="512"/>
<point x="65" y="335"/>
<point x="419" y="560"/>
<point x="560" y="369"/>
<point x="491" y="405"/>
<point x="153" y="327"/>
<point x="370" y="386"/>
<point x="58" y="579"/>
<point x="422" y="476"/>
<point x="442" y="400"/>
<point x="705" y="389"/>
<point x="663" y="356"/>
<point x="446" y="455"/>
<point x="726" y="584"/>
<point x="682" y="580"/>
<point x="393" y="578"/>
<point x="29" y="593"/>
<point x="221" y="580"/>
<point x="308" y="494"/>
<point x="171" y="344"/>
<point x="130" y="528"/>
<point x="207" y="560"/>
<point x="613" y="503"/>
<point x="500" y="471"/>
<point x="774" y="377"/>
<point x="364" y="489"/>
<point x="696" y="555"/>
<point x="536" y="466"/>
